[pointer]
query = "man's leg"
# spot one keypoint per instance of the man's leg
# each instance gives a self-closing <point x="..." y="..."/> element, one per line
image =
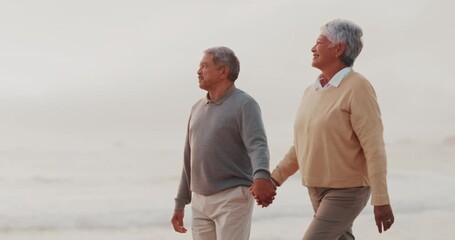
<point x="335" y="212"/>
<point x="232" y="214"/>
<point x="203" y="228"/>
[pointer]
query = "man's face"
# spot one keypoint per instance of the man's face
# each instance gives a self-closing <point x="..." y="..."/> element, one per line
<point x="323" y="53"/>
<point x="210" y="74"/>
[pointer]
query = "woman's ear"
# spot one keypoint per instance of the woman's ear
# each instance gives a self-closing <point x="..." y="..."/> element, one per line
<point x="340" y="48"/>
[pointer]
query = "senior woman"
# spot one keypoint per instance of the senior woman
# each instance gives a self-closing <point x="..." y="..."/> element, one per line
<point x="338" y="140"/>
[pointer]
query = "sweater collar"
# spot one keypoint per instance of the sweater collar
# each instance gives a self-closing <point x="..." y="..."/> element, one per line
<point x="335" y="81"/>
<point x="223" y="98"/>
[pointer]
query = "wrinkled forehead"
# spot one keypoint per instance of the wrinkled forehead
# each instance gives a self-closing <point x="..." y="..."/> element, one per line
<point x="323" y="39"/>
<point x="207" y="58"/>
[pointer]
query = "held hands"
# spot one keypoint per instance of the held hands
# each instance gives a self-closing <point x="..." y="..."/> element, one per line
<point x="264" y="191"/>
<point x="383" y="215"/>
<point x="177" y="221"/>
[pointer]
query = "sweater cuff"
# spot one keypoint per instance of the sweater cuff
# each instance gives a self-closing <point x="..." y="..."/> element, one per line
<point x="180" y="204"/>
<point x="263" y="174"/>
<point x="277" y="178"/>
<point x="380" y="199"/>
<point x="379" y="192"/>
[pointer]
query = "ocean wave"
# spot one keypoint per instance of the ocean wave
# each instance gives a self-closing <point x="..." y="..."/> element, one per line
<point x="111" y="220"/>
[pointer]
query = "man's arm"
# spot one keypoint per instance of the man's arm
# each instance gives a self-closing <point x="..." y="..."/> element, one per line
<point x="177" y="221"/>
<point x="184" y="191"/>
<point x="255" y="140"/>
<point x="264" y="191"/>
<point x="254" y="137"/>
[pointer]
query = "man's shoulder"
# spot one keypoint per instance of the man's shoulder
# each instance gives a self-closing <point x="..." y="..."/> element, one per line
<point x="241" y="96"/>
<point x="199" y="102"/>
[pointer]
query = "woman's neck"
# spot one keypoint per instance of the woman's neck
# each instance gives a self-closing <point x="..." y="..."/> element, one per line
<point x="329" y="72"/>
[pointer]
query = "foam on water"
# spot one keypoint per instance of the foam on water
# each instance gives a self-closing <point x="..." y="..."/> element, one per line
<point x="112" y="189"/>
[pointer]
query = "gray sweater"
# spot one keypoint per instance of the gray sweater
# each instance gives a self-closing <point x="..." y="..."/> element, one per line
<point x="226" y="146"/>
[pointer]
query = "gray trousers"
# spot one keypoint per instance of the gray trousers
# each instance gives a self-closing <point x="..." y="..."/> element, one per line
<point x="335" y="211"/>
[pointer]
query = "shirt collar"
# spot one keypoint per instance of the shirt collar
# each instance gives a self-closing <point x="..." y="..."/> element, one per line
<point x="336" y="79"/>
<point x="221" y="99"/>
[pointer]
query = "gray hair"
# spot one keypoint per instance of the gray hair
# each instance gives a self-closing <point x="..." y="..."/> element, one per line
<point x="345" y="32"/>
<point x="225" y="57"/>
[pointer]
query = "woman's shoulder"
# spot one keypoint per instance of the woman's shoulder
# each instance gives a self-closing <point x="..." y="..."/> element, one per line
<point x="357" y="80"/>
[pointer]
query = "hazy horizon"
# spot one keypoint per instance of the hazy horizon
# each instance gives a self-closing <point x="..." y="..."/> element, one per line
<point x="95" y="96"/>
<point x="113" y="72"/>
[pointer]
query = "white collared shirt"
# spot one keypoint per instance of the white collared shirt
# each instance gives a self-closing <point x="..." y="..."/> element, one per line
<point x="335" y="81"/>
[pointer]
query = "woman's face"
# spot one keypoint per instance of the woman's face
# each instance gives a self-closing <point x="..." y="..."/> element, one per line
<point x="324" y="53"/>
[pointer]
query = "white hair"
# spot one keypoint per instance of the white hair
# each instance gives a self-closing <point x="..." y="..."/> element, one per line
<point x="347" y="33"/>
<point x="223" y="56"/>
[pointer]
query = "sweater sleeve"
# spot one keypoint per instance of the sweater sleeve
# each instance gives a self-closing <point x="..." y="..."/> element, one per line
<point x="367" y="124"/>
<point x="254" y="137"/>
<point x="184" y="190"/>
<point x="286" y="168"/>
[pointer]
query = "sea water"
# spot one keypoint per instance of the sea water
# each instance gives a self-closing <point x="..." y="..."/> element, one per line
<point x="128" y="192"/>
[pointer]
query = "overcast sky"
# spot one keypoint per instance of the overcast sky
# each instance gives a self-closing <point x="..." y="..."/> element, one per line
<point x="124" y="72"/>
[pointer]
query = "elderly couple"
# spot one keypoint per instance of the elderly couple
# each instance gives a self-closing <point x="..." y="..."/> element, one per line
<point x="338" y="147"/>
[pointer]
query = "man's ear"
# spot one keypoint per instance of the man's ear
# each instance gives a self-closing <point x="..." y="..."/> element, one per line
<point x="225" y="71"/>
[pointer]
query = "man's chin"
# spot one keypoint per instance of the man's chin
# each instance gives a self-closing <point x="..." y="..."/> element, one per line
<point x="201" y="86"/>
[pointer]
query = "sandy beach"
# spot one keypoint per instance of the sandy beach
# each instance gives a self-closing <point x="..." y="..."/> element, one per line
<point x="95" y="98"/>
<point x="119" y="200"/>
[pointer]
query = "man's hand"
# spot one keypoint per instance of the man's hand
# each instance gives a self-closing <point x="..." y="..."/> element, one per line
<point x="264" y="191"/>
<point x="383" y="216"/>
<point x="177" y="221"/>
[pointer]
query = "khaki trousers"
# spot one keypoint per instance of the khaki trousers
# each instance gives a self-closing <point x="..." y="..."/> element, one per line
<point x="223" y="216"/>
<point x="335" y="211"/>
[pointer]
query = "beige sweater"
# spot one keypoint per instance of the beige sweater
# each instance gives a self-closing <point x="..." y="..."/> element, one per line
<point x="338" y="140"/>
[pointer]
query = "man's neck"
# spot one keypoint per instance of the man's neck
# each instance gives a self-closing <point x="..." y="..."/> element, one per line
<point x="219" y="91"/>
